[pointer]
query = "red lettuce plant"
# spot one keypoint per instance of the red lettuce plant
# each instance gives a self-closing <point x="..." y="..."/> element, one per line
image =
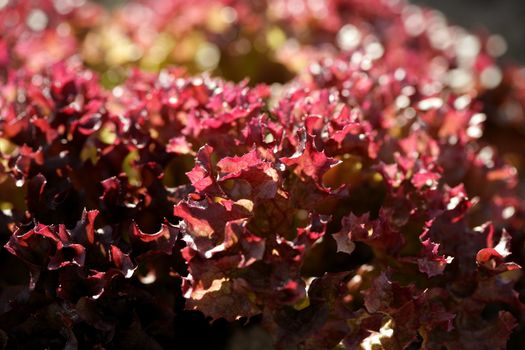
<point x="359" y="205"/>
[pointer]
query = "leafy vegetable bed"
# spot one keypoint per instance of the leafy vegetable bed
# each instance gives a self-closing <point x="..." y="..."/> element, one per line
<point x="364" y="190"/>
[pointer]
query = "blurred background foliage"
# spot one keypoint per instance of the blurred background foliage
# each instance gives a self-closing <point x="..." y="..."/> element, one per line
<point x="504" y="17"/>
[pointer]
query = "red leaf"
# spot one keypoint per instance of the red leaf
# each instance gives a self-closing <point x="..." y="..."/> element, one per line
<point x="309" y="161"/>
